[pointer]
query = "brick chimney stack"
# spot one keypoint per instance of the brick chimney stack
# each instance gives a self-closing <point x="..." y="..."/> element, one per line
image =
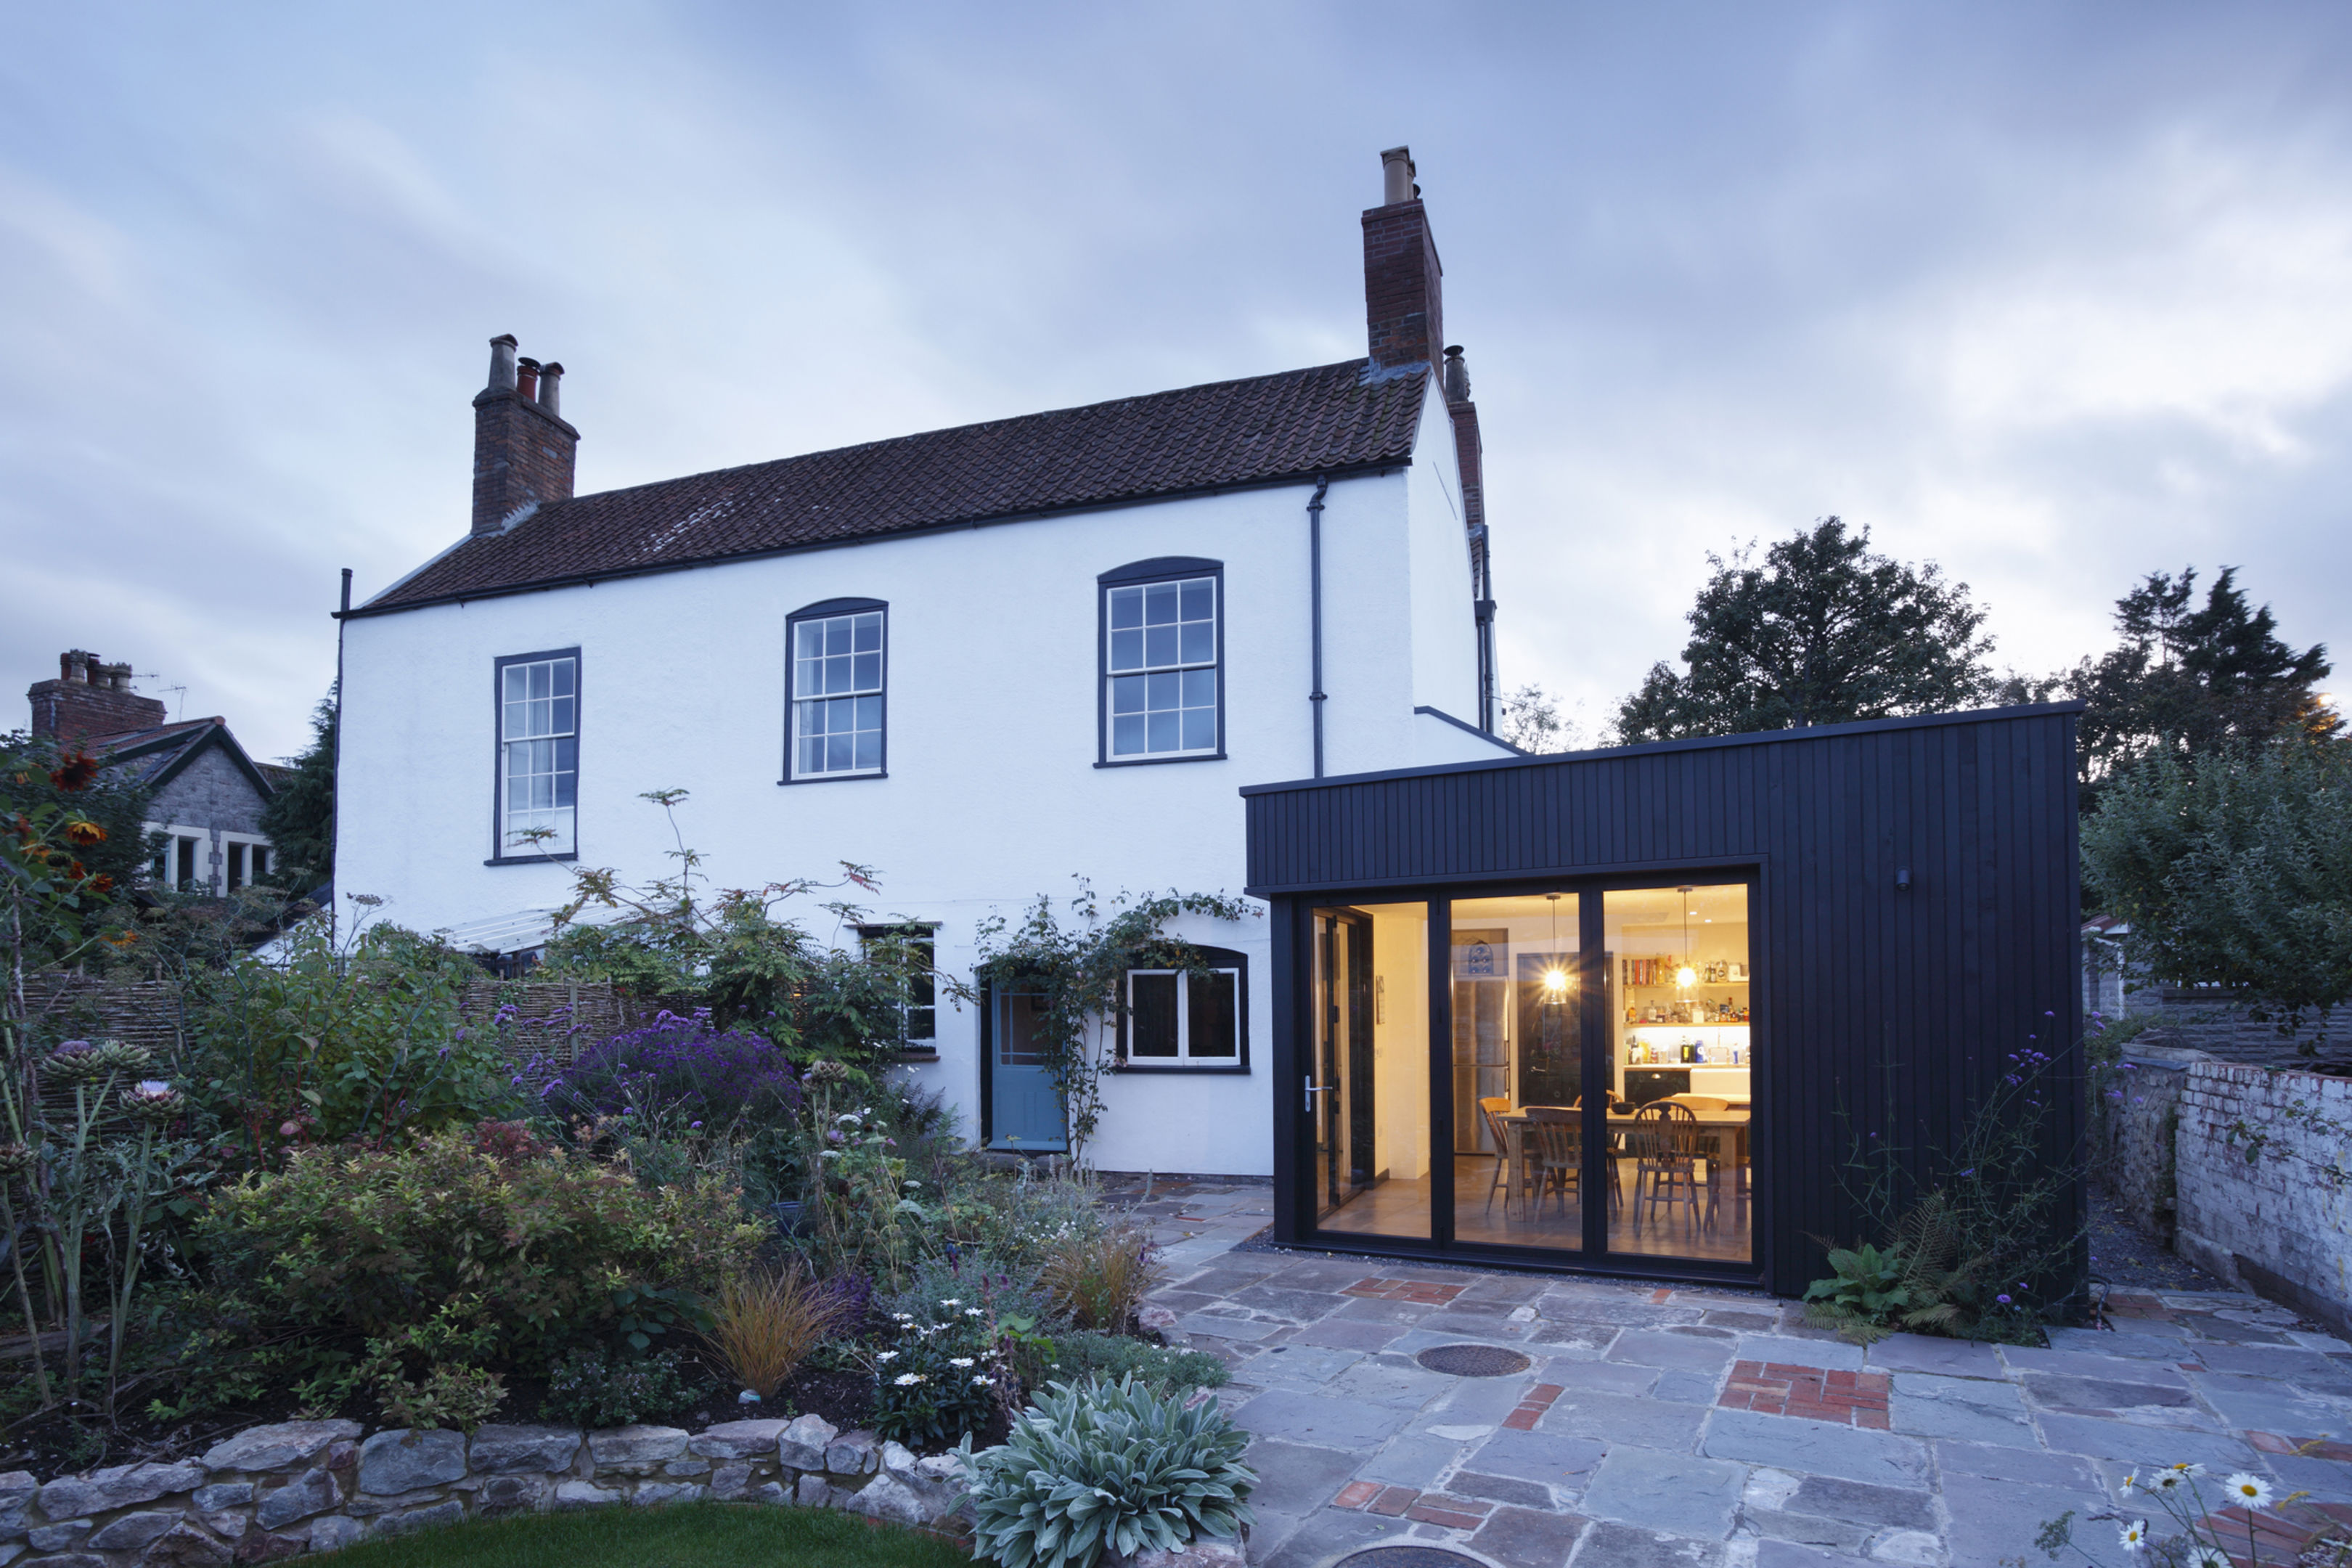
<point x="524" y="453"/>
<point x="1402" y="306"/>
<point x="89" y="699"/>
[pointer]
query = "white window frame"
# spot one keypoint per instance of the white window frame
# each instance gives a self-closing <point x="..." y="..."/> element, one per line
<point x="867" y="688"/>
<point x="1132" y="670"/>
<point x="510" y="848"/>
<point x="914" y="1015"/>
<point x="1219" y="962"/>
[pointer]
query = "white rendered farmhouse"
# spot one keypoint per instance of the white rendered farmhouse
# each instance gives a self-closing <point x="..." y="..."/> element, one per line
<point x="984" y="660"/>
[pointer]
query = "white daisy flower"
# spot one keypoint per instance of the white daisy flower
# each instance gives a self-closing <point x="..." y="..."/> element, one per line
<point x="960" y="1360"/>
<point x="909" y="1379"/>
<point x="2249" y="1489"/>
<point x="2168" y="1480"/>
<point x="2134" y="1535"/>
<point x="2209" y="1557"/>
<point x="2129" y="1482"/>
<point x="980" y="1382"/>
<point x="887" y="1355"/>
<point x="951" y="1301"/>
<point x="973" y="1312"/>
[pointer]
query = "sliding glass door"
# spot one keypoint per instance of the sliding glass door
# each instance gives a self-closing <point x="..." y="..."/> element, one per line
<point x="1567" y="1071"/>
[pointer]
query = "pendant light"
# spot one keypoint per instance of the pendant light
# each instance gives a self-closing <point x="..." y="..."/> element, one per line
<point x="1555" y="980"/>
<point x="1685" y="978"/>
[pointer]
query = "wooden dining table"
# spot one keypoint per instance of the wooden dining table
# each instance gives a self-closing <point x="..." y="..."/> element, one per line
<point x="1732" y="1121"/>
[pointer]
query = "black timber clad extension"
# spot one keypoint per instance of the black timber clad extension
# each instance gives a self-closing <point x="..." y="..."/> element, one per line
<point x="1868" y="996"/>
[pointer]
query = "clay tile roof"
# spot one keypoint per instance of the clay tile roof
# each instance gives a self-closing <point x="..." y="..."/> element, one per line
<point x="1293" y="426"/>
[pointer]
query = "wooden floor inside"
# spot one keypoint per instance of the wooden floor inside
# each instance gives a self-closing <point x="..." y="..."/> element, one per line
<point x="1401" y="1208"/>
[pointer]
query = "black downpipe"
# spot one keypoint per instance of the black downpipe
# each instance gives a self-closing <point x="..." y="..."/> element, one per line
<point x="335" y="789"/>
<point x="1315" y="611"/>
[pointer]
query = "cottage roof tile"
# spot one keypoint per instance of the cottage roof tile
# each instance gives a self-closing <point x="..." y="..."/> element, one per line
<point x="1294" y="425"/>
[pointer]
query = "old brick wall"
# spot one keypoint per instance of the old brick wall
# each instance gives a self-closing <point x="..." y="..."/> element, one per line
<point x="2265" y="1180"/>
<point x="2137" y="1106"/>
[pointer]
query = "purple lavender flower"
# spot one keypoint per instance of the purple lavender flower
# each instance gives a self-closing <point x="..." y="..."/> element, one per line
<point x="680" y="1066"/>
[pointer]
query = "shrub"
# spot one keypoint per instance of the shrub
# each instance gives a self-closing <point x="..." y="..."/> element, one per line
<point x="329" y="1043"/>
<point x="1099" y="1278"/>
<point x="1101" y="1468"/>
<point x="597" y="1388"/>
<point x="453" y="1389"/>
<point x="1112" y="1358"/>
<point x="678" y="1069"/>
<point x="975" y="1278"/>
<point x="558" y="1248"/>
<point x="939" y="1379"/>
<point x="766" y="1321"/>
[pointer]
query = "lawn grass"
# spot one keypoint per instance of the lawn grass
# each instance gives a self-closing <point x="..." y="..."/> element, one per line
<point x="681" y="1535"/>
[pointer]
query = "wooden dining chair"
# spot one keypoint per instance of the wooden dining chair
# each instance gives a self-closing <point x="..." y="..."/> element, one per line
<point x="1494" y="1108"/>
<point x="1664" y="1142"/>
<point x="1557" y="1134"/>
<point x="1710" y="1139"/>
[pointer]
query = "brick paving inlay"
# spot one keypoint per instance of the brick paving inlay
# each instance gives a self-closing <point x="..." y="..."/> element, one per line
<point x="1813" y="1393"/>
<point x="1419" y="1290"/>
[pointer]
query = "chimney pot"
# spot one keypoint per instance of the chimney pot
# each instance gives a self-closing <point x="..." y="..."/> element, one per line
<point x="524" y="453"/>
<point x="1402" y="308"/>
<point x="502" y="363"/>
<point x="1457" y="376"/>
<point x="1396" y="176"/>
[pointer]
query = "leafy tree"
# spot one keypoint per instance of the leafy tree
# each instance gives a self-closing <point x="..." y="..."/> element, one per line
<point x="301" y="818"/>
<point x="1821" y="632"/>
<point x="2234" y="868"/>
<point x="2188" y="680"/>
<point x="1532" y="722"/>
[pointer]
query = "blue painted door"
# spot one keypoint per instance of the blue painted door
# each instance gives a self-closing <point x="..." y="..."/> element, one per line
<point x="1024" y="1110"/>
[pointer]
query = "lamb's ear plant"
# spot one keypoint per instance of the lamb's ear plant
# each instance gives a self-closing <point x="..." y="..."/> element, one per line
<point x="1100" y="1470"/>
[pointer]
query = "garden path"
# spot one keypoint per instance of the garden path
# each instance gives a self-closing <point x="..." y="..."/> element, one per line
<point x="1712" y="1428"/>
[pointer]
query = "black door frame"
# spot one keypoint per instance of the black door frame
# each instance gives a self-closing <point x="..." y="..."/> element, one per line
<point x="1296" y="1035"/>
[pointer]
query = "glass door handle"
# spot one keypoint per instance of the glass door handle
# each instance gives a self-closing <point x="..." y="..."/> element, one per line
<point x="1314" y="1088"/>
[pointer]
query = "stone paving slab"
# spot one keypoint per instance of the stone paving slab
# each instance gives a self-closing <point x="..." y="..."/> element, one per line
<point x="1615" y="1448"/>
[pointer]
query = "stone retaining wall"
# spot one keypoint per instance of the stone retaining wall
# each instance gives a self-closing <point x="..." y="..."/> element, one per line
<point x="2133" y="1121"/>
<point x="293" y="1487"/>
<point x="2263" y="1161"/>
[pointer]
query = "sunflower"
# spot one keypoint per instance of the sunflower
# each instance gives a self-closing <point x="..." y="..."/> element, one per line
<point x="75" y="771"/>
<point x="84" y="832"/>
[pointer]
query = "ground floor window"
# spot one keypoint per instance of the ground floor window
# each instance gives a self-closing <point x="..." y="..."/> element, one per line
<point x="1567" y="1069"/>
<point x="1187" y="1017"/>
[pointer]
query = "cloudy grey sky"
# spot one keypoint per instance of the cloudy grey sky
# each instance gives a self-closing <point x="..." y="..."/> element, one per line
<point x="2052" y="294"/>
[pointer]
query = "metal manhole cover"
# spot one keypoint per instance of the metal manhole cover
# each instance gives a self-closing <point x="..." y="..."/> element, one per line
<point x="1407" y="1557"/>
<point x="1473" y="1361"/>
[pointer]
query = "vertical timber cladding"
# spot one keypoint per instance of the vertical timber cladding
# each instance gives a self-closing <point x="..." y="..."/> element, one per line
<point x="1900" y="1008"/>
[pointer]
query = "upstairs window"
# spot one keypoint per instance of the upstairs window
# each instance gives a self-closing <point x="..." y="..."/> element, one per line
<point x="838" y="669"/>
<point x="1184" y="1018"/>
<point x="1162" y="686"/>
<point x="539" y="755"/>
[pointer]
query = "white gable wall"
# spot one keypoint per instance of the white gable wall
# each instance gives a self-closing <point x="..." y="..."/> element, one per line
<point x="991" y="796"/>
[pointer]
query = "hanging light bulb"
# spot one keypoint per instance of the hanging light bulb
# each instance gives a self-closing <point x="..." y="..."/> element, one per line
<point x="1556" y="978"/>
<point x="1685" y="978"/>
